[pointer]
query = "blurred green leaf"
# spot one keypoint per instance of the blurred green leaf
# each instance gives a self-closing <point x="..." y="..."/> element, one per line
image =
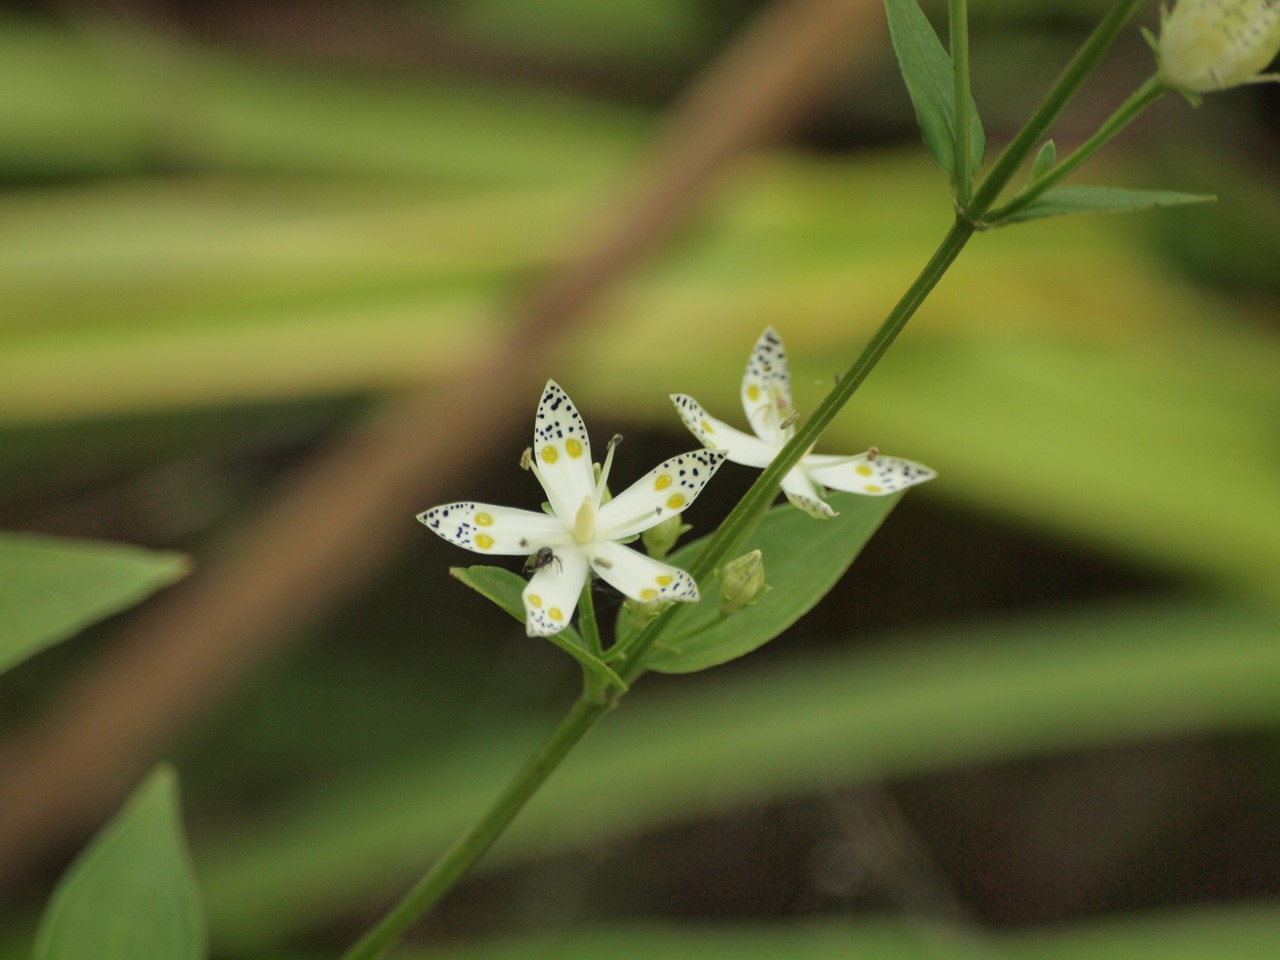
<point x="1241" y="933"/>
<point x="913" y="703"/>
<point x="505" y="589"/>
<point x="646" y="33"/>
<point x="131" y="895"/>
<point x="803" y="558"/>
<point x="927" y="69"/>
<point x="1061" y="201"/>
<point x="109" y="98"/>
<point x="51" y="589"/>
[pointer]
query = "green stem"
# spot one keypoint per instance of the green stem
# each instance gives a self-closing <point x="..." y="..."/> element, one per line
<point x="1143" y="97"/>
<point x="962" y="175"/>
<point x="468" y="849"/>
<point x="587" y="624"/>
<point x="1066" y="86"/>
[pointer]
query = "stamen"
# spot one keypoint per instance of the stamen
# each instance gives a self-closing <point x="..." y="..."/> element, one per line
<point x="603" y="481"/>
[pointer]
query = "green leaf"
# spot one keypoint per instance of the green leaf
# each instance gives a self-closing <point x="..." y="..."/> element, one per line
<point x="927" y="70"/>
<point x="131" y="895"/>
<point x="504" y="588"/>
<point x="803" y="558"/>
<point x="1043" y="162"/>
<point x="51" y="589"/>
<point x="1064" y="200"/>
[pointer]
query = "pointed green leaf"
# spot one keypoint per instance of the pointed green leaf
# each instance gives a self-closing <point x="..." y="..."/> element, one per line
<point x="504" y="588"/>
<point x="1043" y="162"/>
<point x="926" y="68"/>
<point x="51" y="589"/>
<point x="1061" y="201"/>
<point x="803" y="558"/>
<point x="131" y="895"/>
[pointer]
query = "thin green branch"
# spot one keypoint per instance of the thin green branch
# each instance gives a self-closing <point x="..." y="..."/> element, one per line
<point x="1068" y="82"/>
<point x="1126" y="113"/>
<point x="961" y="174"/>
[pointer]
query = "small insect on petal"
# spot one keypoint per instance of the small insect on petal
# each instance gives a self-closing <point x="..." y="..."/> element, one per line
<point x="551" y="595"/>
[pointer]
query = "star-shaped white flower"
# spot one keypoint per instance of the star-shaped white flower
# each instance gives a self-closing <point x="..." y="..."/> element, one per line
<point x="581" y="533"/>
<point x="766" y="398"/>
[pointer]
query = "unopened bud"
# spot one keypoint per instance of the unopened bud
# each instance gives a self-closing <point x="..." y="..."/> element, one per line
<point x="741" y="581"/>
<point x="660" y="538"/>
<point x="641" y="612"/>
<point x="1208" y="45"/>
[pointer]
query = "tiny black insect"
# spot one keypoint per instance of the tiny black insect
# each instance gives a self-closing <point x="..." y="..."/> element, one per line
<point x="543" y="557"/>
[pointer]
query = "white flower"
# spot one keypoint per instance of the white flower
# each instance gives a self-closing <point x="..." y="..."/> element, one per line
<point x="1208" y="45"/>
<point x="580" y="532"/>
<point x="766" y="398"/>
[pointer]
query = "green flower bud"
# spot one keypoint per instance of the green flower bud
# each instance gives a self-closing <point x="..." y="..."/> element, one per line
<point x="741" y="581"/>
<point x="1209" y="45"/>
<point x="659" y="539"/>
<point x="641" y="612"/>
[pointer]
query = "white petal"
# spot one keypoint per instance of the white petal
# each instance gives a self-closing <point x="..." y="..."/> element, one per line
<point x="638" y="576"/>
<point x="802" y="494"/>
<point x="552" y="593"/>
<point x="766" y="389"/>
<point x="717" y="435"/>
<point x="875" y="476"/>
<point x="562" y="452"/>
<point x="664" y="491"/>
<point x="500" y="531"/>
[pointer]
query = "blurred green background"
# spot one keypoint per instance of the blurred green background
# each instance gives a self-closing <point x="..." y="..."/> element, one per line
<point x="1038" y="718"/>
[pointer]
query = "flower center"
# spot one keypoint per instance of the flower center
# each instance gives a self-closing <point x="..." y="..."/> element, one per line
<point x="584" y="524"/>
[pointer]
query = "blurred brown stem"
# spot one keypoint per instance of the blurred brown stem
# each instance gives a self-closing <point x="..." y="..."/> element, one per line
<point x="336" y="520"/>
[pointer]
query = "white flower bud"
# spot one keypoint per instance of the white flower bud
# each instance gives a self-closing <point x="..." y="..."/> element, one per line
<point x="1209" y="45"/>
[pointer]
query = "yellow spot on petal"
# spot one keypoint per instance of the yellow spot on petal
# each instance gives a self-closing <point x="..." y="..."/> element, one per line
<point x="707" y="427"/>
<point x="535" y="600"/>
<point x="555" y="614"/>
<point x="753" y="393"/>
<point x="550" y="454"/>
<point x="648" y="594"/>
<point x="665" y="580"/>
<point x="484" y="541"/>
<point x="871" y="488"/>
<point x="573" y="448"/>
<point x="863" y="470"/>
<point x="675" y="501"/>
<point x="484" y="520"/>
<point x="663" y="481"/>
